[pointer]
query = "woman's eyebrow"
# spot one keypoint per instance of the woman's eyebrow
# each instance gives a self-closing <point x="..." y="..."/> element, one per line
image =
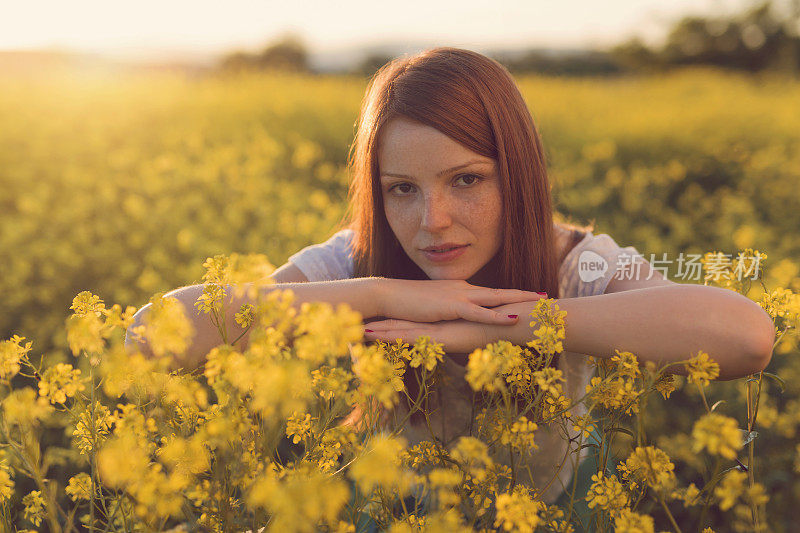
<point x="443" y="172"/>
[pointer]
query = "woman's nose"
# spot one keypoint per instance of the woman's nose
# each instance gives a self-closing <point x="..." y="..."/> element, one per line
<point x="435" y="214"/>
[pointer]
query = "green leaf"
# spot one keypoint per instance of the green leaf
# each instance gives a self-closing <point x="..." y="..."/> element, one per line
<point x="623" y="430"/>
<point x="776" y="378"/>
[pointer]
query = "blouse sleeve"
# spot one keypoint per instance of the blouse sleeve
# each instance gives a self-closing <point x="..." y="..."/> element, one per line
<point x="329" y="260"/>
<point x="589" y="266"/>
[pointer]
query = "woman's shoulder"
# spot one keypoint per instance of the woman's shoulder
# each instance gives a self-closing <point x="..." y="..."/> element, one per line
<point x="589" y="261"/>
<point x="328" y="260"/>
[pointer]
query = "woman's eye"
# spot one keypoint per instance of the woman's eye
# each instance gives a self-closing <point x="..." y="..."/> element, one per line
<point x="397" y="187"/>
<point x="469" y="179"/>
<point x="474" y="179"/>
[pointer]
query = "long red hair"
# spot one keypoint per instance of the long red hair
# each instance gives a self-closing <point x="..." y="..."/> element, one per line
<point x="474" y="100"/>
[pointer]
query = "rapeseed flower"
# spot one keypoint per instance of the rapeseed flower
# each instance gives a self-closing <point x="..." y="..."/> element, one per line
<point x="701" y="369"/>
<point x="25" y="407"/>
<point x="379" y="464"/>
<point x="517" y="511"/>
<point x="607" y="493"/>
<point x="718" y="434"/>
<point x="426" y="352"/>
<point x="6" y="483"/>
<point x="11" y="353"/>
<point x="79" y="487"/>
<point x="34" y="507"/>
<point x="167" y="328"/>
<point x="60" y="382"/>
<point x="627" y="521"/>
<point x="378" y="376"/>
<point x="651" y="466"/>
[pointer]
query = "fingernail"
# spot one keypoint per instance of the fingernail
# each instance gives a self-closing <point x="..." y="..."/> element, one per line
<point x="368" y="331"/>
<point x="542" y="293"/>
<point x="513" y="316"/>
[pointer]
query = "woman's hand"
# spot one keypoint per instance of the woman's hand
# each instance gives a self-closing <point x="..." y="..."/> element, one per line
<point x="458" y="336"/>
<point x="437" y="300"/>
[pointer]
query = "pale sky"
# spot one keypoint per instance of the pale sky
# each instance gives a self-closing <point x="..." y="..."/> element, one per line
<point x="147" y="26"/>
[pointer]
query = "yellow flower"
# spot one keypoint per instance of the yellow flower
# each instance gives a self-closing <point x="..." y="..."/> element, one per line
<point x="473" y="454"/>
<point x="299" y="499"/>
<point x="520" y="435"/>
<point x="442" y="482"/>
<point x="584" y="425"/>
<point x="330" y="382"/>
<point x="665" y="384"/>
<point x="6" y="483"/>
<point x="167" y="328"/>
<point x="185" y="455"/>
<point x="379" y="463"/>
<point x="701" y="369"/>
<point x="627" y="521"/>
<point x="122" y="461"/>
<point x="88" y="440"/>
<point x="627" y="364"/>
<point x="781" y="303"/>
<point x="607" y="493"/>
<point x="323" y="334"/>
<point x="282" y="388"/>
<point x="649" y="465"/>
<point x="11" y="352"/>
<point x="217" y="269"/>
<point x="210" y="302"/>
<point x="24" y="406"/>
<point x="487" y="366"/>
<point x="87" y="303"/>
<point x="717" y="433"/>
<point x="85" y="334"/>
<point x="60" y="382"/>
<point x="79" y="487"/>
<point x="426" y="352"/>
<point x="245" y="315"/>
<point x="547" y="379"/>
<point x="615" y="393"/>
<point x="548" y="340"/>
<point x="34" y="507"/>
<point x="333" y="443"/>
<point x="422" y="454"/>
<point x="517" y="511"/>
<point x="299" y="427"/>
<point x="730" y="488"/>
<point x="378" y="376"/>
<point x="117" y="318"/>
<point x="690" y="495"/>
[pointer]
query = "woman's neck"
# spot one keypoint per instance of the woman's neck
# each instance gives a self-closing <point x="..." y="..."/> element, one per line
<point x="486" y="276"/>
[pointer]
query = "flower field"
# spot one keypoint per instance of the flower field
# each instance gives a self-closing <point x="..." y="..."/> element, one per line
<point x="116" y="190"/>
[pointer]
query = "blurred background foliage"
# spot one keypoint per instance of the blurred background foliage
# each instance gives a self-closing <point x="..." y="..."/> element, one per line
<point x="764" y="36"/>
<point x="122" y="185"/>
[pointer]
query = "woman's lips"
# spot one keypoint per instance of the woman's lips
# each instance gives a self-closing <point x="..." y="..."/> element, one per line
<point x="443" y="257"/>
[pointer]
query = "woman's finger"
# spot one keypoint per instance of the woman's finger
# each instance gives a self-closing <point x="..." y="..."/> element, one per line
<point x="392" y="323"/>
<point x="476" y="313"/>
<point x="493" y="297"/>
<point x="390" y="335"/>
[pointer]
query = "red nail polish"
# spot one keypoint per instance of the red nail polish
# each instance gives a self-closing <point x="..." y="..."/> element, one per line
<point x="368" y="331"/>
<point x="542" y="293"/>
<point x="513" y="316"/>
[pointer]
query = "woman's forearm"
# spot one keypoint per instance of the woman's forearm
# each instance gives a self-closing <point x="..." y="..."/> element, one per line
<point x="361" y="294"/>
<point x="661" y="324"/>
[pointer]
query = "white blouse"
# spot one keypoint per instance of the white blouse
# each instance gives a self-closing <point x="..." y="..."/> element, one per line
<point x="586" y="271"/>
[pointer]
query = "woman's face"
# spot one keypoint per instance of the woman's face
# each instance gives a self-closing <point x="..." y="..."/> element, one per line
<point x="435" y="192"/>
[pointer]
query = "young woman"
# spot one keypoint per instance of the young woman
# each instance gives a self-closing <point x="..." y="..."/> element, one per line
<point x="451" y="234"/>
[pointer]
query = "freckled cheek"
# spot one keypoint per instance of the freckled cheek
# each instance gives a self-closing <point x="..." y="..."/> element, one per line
<point x="403" y="219"/>
<point x="483" y="215"/>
